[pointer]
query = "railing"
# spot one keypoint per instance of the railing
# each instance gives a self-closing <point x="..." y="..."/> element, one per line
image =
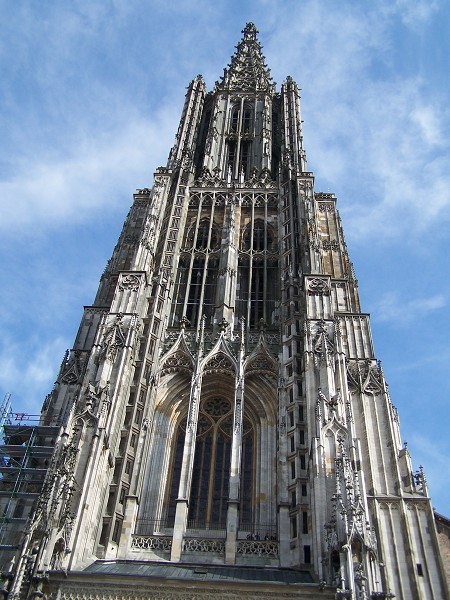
<point x="145" y="542"/>
<point x="200" y="529"/>
<point x="268" y="549"/>
<point x="203" y="545"/>
<point x="258" y="532"/>
<point x="154" y="527"/>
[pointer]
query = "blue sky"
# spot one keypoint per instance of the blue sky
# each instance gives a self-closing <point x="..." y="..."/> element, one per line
<point x="90" y="97"/>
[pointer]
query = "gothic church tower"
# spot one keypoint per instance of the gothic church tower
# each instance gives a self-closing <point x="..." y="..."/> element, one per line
<point x="222" y="410"/>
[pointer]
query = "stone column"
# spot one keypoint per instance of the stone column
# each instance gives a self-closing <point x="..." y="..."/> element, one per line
<point x="186" y="468"/>
<point x="236" y="453"/>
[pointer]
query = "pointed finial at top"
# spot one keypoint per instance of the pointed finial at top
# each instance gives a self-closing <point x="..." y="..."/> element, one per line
<point x="247" y="71"/>
<point x="250" y="31"/>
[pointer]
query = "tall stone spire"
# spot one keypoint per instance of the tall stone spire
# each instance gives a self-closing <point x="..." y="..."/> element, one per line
<point x="247" y="70"/>
<point x="222" y="405"/>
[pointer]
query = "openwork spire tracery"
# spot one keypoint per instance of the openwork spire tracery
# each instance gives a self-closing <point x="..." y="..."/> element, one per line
<point x="247" y="70"/>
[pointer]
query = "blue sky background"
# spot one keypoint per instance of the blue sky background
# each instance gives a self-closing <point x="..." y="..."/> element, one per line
<point x="90" y="98"/>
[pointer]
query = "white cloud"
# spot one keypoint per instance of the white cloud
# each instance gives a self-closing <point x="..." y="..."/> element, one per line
<point x="101" y="171"/>
<point x="27" y="369"/>
<point x="380" y="134"/>
<point x="434" y="456"/>
<point x="400" y="310"/>
<point x="429" y="123"/>
<point x="415" y="13"/>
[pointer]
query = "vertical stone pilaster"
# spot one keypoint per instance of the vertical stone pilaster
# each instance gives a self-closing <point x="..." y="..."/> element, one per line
<point x="284" y="535"/>
<point x="179" y="529"/>
<point x="232" y="529"/>
<point x="128" y="523"/>
<point x="236" y="454"/>
<point x="186" y="469"/>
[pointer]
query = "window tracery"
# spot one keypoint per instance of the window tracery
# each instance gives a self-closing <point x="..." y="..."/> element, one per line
<point x="238" y="159"/>
<point x="211" y="473"/>
<point x="257" y="274"/>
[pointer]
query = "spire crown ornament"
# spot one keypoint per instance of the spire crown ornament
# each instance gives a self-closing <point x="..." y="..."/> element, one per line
<point x="248" y="70"/>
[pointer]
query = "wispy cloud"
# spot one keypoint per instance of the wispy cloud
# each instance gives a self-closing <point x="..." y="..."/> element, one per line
<point x="434" y="455"/>
<point x="28" y="382"/>
<point x="414" y="13"/>
<point x="377" y="130"/>
<point x="99" y="173"/>
<point x="397" y="309"/>
<point x="363" y="114"/>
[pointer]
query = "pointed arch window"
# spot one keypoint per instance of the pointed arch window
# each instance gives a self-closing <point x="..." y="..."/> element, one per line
<point x="239" y="145"/>
<point x="234" y="121"/>
<point x="195" y="290"/>
<point x="201" y="242"/>
<point x="257" y="274"/>
<point x="262" y="237"/>
<point x="211" y="473"/>
<point x="244" y="162"/>
<point x="198" y="237"/>
<point x="247" y="120"/>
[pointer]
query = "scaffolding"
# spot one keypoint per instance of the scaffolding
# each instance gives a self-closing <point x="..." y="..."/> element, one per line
<point x="26" y="448"/>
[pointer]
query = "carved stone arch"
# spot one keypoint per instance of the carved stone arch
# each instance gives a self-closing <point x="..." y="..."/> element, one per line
<point x="219" y="362"/>
<point x="172" y="395"/>
<point x="261" y="362"/>
<point x="364" y="376"/>
<point x="332" y="433"/>
<point x="177" y="361"/>
<point x="72" y="367"/>
<point x="260" y="401"/>
<point x="354" y="376"/>
<point x="222" y="346"/>
<point x="178" y="358"/>
<point x="340" y="432"/>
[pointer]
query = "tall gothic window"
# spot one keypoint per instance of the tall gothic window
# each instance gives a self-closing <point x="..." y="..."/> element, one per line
<point x="257" y="274"/>
<point x="244" y="159"/>
<point x="238" y="160"/>
<point x="197" y="237"/>
<point x="247" y="120"/>
<point x="211" y="473"/>
<point x="196" y="278"/>
<point x="231" y="159"/>
<point x="195" y="290"/>
<point x="234" y="123"/>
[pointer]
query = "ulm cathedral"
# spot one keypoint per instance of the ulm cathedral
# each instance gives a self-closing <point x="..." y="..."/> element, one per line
<point x="221" y="427"/>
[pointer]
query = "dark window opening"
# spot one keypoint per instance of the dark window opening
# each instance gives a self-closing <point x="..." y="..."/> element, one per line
<point x="231" y="156"/>
<point x="294" y="527"/>
<point x="304" y="522"/>
<point x="244" y="167"/>
<point x="293" y="499"/>
<point x="235" y="120"/>
<point x="116" y="531"/>
<point x="247" y="120"/>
